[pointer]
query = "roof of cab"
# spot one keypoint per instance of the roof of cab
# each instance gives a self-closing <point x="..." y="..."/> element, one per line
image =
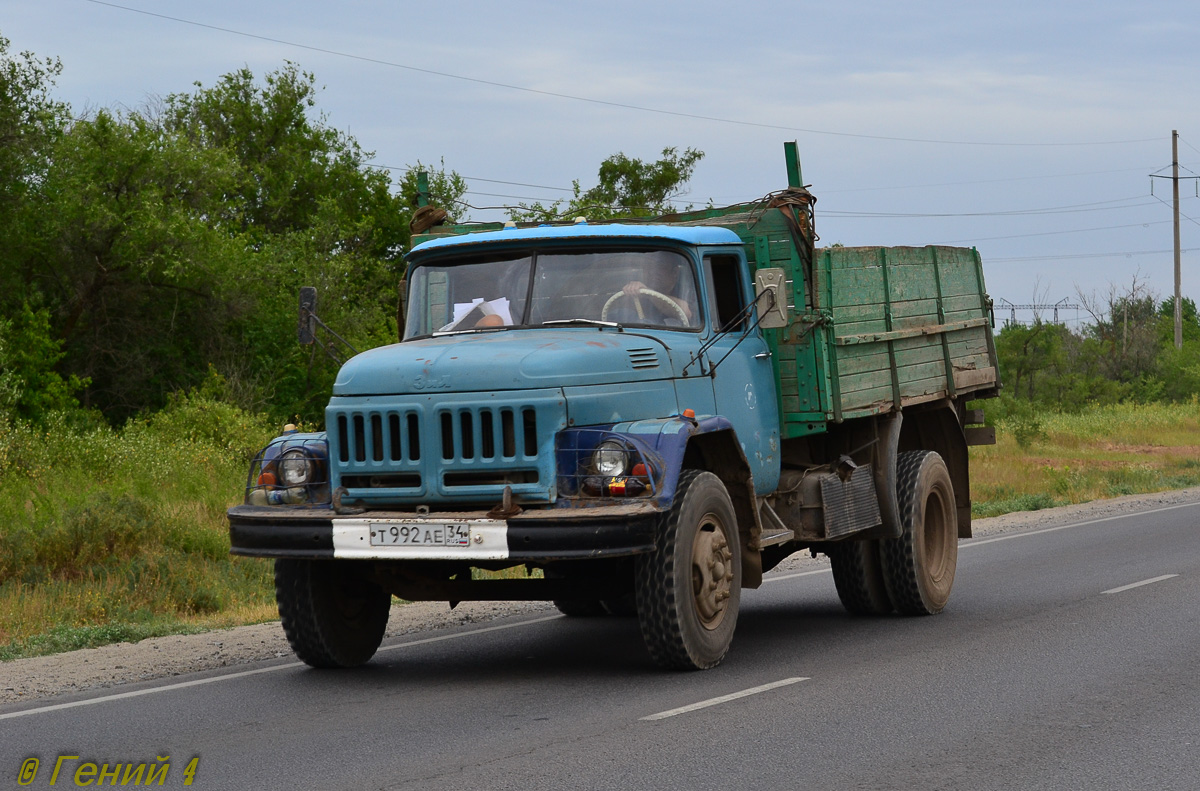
<point x="687" y="234"/>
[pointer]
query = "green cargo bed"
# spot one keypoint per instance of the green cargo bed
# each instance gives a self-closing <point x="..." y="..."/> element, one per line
<point x="872" y="329"/>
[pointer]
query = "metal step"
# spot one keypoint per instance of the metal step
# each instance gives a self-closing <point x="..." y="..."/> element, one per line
<point x="774" y="530"/>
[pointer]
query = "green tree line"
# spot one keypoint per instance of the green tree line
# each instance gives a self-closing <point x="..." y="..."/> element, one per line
<point x="151" y="251"/>
<point x="1126" y="354"/>
<point x="145" y="250"/>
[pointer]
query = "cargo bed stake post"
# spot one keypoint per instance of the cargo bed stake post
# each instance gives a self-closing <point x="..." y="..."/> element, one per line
<point x="792" y="157"/>
<point x="422" y="188"/>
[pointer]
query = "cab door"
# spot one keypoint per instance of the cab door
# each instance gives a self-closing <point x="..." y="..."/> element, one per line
<point x="743" y="375"/>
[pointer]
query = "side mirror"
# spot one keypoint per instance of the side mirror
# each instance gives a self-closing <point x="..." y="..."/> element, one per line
<point x="771" y="298"/>
<point x="308" y="315"/>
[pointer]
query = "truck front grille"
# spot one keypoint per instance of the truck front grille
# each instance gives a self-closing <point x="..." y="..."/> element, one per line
<point x="403" y="451"/>
<point x="486" y="433"/>
<point x="379" y="436"/>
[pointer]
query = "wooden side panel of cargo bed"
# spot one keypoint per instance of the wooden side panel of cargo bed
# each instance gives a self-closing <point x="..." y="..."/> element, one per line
<point x="910" y="324"/>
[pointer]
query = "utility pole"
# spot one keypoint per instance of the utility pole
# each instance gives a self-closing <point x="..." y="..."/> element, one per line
<point x="1175" y="192"/>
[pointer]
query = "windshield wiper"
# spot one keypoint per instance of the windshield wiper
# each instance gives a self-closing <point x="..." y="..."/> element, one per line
<point x="465" y="330"/>
<point x="591" y="322"/>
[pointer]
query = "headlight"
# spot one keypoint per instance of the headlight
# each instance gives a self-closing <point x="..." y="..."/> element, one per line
<point x="295" y="468"/>
<point x="610" y="459"/>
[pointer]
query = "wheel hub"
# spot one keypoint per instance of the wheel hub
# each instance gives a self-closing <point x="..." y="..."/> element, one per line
<point x="712" y="574"/>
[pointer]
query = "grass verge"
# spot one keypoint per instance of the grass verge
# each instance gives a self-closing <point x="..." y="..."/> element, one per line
<point x="109" y="535"/>
<point x="1100" y="453"/>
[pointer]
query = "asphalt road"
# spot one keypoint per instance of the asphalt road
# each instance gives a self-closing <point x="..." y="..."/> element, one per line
<point x="1047" y="671"/>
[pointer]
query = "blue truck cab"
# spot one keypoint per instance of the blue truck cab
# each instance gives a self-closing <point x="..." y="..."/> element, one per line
<point x="641" y="417"/>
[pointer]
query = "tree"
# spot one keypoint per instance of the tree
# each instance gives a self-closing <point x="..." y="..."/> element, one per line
<point x="1125" y="321"/>
<point x="297" y="170"/>
<point x="446" y="190"/>
<point x="128" y="258"/>
<point x="627" y="188"/>
<point x="145" y="249"/>
<point x="1178" y="369"/>
<point x="170" y="242"/>
<point x="30" y="119"/>
<point x="30" y="123"/>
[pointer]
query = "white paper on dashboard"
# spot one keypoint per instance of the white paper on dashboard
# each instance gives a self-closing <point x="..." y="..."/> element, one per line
<point x="481" y="307"/>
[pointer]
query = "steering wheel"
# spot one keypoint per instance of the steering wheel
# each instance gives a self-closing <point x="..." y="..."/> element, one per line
<point x="683" y="317"/>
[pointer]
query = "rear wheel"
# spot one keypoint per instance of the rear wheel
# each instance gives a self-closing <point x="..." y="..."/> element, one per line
<point x="332" y="614"/>
<point x="918" y="567"/>
<point x="858" y="574"/>
<point x="688" y="590"/>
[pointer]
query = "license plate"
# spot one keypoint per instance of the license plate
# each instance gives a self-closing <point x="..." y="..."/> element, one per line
<point x="424" y="534"/>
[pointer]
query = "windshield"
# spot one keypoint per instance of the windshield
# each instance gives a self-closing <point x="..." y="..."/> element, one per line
<point x="639" y="288"/>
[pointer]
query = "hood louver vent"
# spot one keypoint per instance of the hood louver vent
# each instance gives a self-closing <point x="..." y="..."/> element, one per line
<point x="643" y="358"/>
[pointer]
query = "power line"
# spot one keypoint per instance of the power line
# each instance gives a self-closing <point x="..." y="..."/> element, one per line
<point x="1181" y="214"/>
<point x="747" y="196"/>
<point x="475" y="178"/>
<point x="604" y="102"/>
<point x="1076" y="209"/>
<point x="498" y="195"/>
<point x="519" y="184"/>
<point x="1074" y="256"/>
<point x="1055" y="233"/>
<point x="985" y="181"/>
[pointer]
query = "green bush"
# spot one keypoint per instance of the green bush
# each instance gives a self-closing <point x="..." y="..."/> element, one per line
<point x="113" y="533"/>
<point x="1018" y="417"/>
<point x="30" y="388"/>
<point x="1023" y="502"/>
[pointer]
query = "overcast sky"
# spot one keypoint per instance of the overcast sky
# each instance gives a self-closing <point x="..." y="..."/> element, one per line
<point x="968" y="116"/>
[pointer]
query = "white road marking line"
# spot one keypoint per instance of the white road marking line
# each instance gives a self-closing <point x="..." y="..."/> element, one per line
<point x="797" y="574"/>
<point x="272" y="669"/>
<point x="1073" y="524"/>
<point x="662" y="715"/>
<point x="1010" y="536"/>
<point x="1133" y="585"/>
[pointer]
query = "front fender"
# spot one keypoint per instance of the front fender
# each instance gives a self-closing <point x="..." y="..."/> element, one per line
<point x="661" y="442"/>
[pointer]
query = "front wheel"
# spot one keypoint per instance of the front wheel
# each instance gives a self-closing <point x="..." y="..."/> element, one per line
<point x="688" y="590"/>
<point x="332" y="614"/>
<point x="919" y="566"/>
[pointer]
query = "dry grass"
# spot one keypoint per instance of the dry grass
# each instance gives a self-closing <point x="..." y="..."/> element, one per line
<point x="1071" y="458"/>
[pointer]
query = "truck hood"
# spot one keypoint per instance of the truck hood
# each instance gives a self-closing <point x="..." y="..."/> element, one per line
<point x="506" y="360"/>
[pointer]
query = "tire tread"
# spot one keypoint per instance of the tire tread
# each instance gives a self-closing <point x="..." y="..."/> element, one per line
<point x="900" y="564"/>
<point x="658" y="610"/>
<point x="308" y="626"/>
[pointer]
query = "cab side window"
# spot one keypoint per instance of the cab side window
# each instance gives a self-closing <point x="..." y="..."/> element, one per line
<point x="726" y="295"/>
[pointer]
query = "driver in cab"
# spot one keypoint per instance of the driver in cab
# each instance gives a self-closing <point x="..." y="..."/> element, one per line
<point x="665" y="296"/>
